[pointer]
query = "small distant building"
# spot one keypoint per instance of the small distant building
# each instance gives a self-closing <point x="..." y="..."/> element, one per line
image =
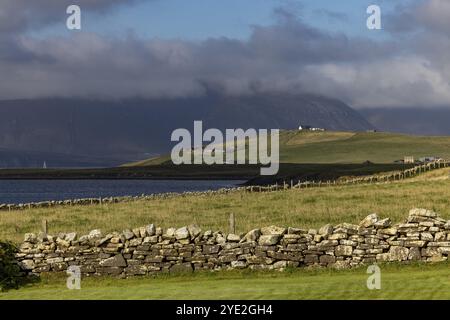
<point x="430" y="159"/>
<point x="303" y="127"/>
<point x="372" y="130"/>
<point x="309" y="128"/>
<point x="409" y="160"/>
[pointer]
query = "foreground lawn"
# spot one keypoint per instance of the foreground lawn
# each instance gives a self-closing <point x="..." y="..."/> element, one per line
<point x="417" y="281"/>
<point x="306" y="208"/>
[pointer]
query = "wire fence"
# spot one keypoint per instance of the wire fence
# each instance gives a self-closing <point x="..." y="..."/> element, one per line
<point x="367" y="179"/>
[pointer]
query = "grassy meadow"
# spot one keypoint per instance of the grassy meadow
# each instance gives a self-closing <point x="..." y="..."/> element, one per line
<point x="345" y="147"/>
<point x="414" y="281"/>
<point x="306" y="208"/>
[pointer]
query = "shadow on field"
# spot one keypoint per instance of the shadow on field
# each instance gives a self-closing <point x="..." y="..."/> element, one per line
<point x="11" y="274"/>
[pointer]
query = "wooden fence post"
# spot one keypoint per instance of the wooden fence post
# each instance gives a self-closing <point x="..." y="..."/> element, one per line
<point x="232" y="222"/>
<point x="45" y="227"/>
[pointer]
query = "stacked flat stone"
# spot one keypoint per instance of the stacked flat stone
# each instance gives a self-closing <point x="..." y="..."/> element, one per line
<point x="148" y="250"/>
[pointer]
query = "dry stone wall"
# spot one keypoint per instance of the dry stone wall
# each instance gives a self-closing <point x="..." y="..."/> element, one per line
<point x="424" y="236"/>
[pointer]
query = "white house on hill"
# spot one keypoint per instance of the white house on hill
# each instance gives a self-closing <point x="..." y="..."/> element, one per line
<point x="304" y="127"/>
<point x="309" y="128"/>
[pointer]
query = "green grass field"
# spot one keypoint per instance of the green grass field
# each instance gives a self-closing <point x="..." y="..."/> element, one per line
<point x="347" y="147"/>
<point x="358" y="147"/>
<point x="416" y="281"/>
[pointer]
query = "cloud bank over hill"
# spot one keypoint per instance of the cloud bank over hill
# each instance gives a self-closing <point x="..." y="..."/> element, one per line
<point x="410" y="67"/>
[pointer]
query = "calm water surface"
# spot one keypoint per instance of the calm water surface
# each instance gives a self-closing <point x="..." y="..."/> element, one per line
<point x="23" y="191"/>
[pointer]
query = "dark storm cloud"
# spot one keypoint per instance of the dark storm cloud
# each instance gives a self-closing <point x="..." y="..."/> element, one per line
<point x="288" y="56"/>
<point x="273" y="58"/>
<point x="425" y="15"/>
<point x="432" y="15"/>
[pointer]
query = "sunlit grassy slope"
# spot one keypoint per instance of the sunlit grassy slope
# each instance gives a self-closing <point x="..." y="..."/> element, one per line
<point x="348" y="147"/>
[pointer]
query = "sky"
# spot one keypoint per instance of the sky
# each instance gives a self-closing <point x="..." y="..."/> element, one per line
<point x="178" y="48"/>
<point x="201" y="19"/>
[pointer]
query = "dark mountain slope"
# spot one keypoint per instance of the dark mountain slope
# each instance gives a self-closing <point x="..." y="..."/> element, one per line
<point x="424" y="121"/>
<point x="135" y="129"/>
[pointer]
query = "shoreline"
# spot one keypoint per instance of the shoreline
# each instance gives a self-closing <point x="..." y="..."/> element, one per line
<point x="218" y="178"/>
<point x="107" y="200"/>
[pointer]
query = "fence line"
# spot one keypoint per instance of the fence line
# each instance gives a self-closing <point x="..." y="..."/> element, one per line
<point x="368" y="179"/>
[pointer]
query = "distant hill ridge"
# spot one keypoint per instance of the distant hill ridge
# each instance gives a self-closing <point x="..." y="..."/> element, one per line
<point x="348" y="147"/>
